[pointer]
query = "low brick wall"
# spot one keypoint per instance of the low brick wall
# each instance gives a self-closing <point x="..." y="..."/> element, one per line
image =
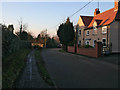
<point x="71" y="49"/>
<point x="87" y="51"/>
<point x="92" y="52"/>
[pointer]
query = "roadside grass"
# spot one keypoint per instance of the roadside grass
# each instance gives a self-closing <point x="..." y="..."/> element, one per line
<point x="0" y="77"/>
<point x="12" y="66"/>
<point x="62" y="50"/>
<point x="42" y="69"/>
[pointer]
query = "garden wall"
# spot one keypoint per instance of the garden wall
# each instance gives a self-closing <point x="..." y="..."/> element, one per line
<point x="92" y="52"/>
<point x="71" y="49"/>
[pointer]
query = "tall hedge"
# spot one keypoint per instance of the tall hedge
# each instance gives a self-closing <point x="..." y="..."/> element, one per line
<point x="11" y="42"/>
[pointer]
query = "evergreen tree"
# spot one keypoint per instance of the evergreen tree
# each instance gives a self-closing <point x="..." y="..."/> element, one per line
<point x="66" y="33"/>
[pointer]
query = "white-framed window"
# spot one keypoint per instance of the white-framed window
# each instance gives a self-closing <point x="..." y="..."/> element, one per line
<point x="87" y="42"/>
<point x="79" y="43"/>
<point x="79" y="32"/>
<point x="94" y="41"/>
<point x="104" y="42"/>
<point x="94" y="29"/>
<point x="87" y="32"/>
<point x="104" y="29"/>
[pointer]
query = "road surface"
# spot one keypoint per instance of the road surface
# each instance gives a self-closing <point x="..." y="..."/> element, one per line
<point x="75" y="71"/>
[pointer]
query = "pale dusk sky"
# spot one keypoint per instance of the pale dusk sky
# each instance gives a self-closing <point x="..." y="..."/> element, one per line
<point x="46" y="15"/>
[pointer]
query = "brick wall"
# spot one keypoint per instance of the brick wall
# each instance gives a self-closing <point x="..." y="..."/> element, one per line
<point x="92" y="52"/>
<point x="87" y="51"/>
<point x="71" y="49"/>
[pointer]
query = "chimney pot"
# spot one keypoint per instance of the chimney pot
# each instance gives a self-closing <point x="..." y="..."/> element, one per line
<point x="96" y="11"/>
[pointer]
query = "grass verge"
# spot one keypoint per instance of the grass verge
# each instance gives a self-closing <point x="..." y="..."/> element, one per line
<point x="11" y="67"/>
<point x="42" y="69"/>
<point x="62" y="50"/>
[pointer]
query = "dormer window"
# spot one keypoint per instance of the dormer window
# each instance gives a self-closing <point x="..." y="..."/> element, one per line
<point x="94" y="27"/>
<point x="94" y="30"/>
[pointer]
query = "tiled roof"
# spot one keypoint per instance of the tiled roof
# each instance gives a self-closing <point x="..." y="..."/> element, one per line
<point x="118" y="15"/>
<point x="98" y="22"/>
<point x="86" y="19"/>
<point x="104" y="18"/>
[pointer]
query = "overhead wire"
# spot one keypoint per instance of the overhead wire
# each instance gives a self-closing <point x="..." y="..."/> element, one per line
<point x="73" y="13"/>
<point x="80" y="9"/>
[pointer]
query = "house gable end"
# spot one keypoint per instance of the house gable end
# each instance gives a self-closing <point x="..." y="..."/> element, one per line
<point x="80" y="22"/>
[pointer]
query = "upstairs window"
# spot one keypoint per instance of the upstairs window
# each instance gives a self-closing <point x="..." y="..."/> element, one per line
<point x="94" y="27"/>
<point x="87" y="33"/>
<point x="104" y="29"/>
<point x="94" y="30"/>
<point x="79" y="32"/>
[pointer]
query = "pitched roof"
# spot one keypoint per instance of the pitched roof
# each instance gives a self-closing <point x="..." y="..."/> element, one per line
<point x="118" y="16"/>
<point x="104" y="18"/>
<point x="98" y="21"/>
<point x="86" y="19"/>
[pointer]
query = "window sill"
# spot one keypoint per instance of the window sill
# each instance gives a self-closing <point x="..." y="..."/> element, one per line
<point x="94" y="34"/>
<point x="104" y="46"/>
<point x="104" y="33"/>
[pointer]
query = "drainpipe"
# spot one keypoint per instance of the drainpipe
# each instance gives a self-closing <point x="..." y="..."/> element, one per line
<point x="107" y="36"/>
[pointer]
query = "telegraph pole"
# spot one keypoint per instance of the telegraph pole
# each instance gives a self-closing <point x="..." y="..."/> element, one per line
<point x="76" y="38"/>
<point x="45" y="37"/>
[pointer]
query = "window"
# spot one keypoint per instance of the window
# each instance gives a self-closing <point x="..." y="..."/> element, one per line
<point x="79" y="43"/>
<point x="79" y="32"/>
<point x="104" y="29"/>
<point x="94" y="29"/>
<point x="87" y="42"/>
<point x="104" y="42"/>
<point x="94" y="41"/>
<point x="87" y="32"/>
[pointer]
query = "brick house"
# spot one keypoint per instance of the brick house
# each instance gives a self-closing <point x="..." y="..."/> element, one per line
<point x="102" y="27"/>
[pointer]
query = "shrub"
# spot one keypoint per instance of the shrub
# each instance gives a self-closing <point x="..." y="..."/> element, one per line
<point x="88" y="46"/>
<point x="71" y="43"/>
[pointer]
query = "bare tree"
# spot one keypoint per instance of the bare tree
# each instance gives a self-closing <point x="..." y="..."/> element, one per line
<point x="22" y="27"/>
<point x="43" y="33"/>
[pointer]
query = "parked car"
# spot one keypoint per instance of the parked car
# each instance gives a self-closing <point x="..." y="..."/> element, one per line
<point x="59" y="46"/>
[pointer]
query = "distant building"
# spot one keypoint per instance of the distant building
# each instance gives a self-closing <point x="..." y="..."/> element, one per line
<point x="102" y="27"/>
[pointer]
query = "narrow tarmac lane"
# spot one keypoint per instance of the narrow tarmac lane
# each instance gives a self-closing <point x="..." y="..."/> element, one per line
<point x="30" y="78"/>
<point x="74" y="71"/>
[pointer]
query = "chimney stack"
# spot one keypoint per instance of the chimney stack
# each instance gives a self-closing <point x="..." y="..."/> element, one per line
<point x="96" y="11"/>
<point x="116" y="5"/>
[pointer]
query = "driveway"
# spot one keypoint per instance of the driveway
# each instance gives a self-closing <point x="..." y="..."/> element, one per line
<point x="75" y="71"/>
